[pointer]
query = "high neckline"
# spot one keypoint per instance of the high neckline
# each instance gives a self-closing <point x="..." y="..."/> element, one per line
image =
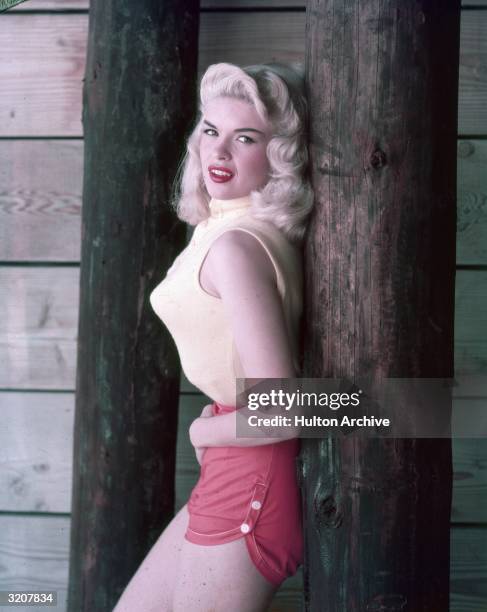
<point x="223" y="209"/>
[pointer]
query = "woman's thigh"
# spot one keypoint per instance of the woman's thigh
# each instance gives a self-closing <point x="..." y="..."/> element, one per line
<point x="151" y="587"/>
<point x="220" y="578"/>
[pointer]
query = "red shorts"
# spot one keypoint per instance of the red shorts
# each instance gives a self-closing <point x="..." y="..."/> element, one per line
<point x="250" y="492"/>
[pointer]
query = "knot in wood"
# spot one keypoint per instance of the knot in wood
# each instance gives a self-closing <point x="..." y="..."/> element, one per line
<point x="389" y="602"/>
<point x="327" y="512"/>
<point x="378" y="159"/>
<point x="465" y="149"/>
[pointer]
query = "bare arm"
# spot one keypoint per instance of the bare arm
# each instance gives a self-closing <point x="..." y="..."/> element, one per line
<point x="245" y="280"/>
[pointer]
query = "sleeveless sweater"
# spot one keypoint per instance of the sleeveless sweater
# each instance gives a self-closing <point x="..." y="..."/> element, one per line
<point x="196" y="319"/>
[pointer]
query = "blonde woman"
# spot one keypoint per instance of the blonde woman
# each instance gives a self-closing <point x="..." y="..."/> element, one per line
<point x="232" y="301"/>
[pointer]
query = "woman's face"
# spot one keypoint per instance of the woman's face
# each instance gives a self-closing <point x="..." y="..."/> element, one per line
<point x="233" y="144"/>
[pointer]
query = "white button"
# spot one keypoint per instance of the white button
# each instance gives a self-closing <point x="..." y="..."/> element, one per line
<point x="244" y="528"/>
<point x="256" y="505"/>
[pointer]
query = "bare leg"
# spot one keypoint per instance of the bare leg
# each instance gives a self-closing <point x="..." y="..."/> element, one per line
<point x="151" y="587"/>
<point x="220" y="578"/>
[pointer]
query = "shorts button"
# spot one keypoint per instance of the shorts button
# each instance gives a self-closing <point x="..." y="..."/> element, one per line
<point x="256" y="505"/>
<point x="244" y="528"/>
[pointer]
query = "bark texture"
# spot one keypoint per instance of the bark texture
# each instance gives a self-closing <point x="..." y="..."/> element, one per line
<point x="382" y="85"/>
<point x="139" y="100"/>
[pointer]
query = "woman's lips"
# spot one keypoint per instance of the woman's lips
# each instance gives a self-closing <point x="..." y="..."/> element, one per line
<point x="219" y="174"/>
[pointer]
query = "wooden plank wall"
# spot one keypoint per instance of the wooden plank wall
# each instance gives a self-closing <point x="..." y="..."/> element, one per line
<point x="43" y="46"/>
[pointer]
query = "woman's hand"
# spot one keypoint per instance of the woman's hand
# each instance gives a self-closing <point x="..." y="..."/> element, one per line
<point x="194" y="432"/>
<point x="207" y="411"/>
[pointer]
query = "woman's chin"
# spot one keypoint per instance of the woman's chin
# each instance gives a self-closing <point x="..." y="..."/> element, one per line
<point x="225" y="192"/>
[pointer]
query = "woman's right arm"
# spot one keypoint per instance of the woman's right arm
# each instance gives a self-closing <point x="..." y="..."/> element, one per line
<point x="245" y="279"/>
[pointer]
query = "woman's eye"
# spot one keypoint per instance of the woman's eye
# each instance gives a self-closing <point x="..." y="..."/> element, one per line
<point x="249" y="140"/>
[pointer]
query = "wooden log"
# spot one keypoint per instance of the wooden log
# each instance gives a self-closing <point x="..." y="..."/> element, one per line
<point x="382" y="83"/>
<point x="138" y="103"/>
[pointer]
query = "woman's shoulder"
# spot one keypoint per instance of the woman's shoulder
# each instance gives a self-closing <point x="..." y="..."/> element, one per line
<point x="256" y="248"/>
<point x="243" y="253"/>
<point x="267" y="233"/>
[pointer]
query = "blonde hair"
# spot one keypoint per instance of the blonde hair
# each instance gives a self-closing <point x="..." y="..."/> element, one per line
<point x="277" y="93"/>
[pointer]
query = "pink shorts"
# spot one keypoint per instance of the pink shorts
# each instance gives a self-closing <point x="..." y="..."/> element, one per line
<point x="250" y="492"/>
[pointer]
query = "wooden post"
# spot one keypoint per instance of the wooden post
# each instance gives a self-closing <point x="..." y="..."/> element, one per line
<point x="383" y="81"/>
<point x="139" y="100"/>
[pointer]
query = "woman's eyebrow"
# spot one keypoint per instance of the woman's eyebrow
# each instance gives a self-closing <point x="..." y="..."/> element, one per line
<point x="237" y="130"/>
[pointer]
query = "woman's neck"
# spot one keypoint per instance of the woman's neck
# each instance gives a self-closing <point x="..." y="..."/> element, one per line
<point x="220" y="209"/>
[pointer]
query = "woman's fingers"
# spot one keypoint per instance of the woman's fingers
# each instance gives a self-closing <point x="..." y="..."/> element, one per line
<point x="207" y="411"/>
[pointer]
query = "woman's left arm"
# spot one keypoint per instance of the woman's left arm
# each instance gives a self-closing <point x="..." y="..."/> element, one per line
<point x="245" y="279"/>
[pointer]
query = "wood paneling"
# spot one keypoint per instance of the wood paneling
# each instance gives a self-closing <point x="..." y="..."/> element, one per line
<point x="61" y="5"/>
<point x="51" y="5"/>
<point x="41" y="76"/>
<point x="34" y="555"/>
<point x="472" y="86"/>
<point x="469" y="479"/>
<point x="40" y="200"/>
<point x="471" y="322"/>
<point x="38" y="327"/>
<point x="36" y="446"/>
<point x="472" y="202"/>
<point x="40" y="101"/>
<point x="468" y="581"/>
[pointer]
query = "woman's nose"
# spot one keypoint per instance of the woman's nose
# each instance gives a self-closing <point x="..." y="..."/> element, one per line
<point x="221" y="151"/>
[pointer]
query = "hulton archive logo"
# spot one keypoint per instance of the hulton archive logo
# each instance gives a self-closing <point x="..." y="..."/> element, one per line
<point x="8" y="4"/>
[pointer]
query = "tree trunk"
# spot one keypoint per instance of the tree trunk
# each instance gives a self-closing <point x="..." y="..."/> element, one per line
<point x="383" y="81"/>
<point x="139" y="99"/>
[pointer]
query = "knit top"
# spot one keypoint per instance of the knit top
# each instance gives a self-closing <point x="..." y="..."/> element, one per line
<point x="196" y="319"/>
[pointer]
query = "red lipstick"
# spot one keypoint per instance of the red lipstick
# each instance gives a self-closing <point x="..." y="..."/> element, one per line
<point x="220" y="174"/>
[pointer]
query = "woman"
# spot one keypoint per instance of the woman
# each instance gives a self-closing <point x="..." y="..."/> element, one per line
<point x="232" y="301"/>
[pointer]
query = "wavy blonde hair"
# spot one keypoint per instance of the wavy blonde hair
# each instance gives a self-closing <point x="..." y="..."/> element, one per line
<point x="277" y="93"/>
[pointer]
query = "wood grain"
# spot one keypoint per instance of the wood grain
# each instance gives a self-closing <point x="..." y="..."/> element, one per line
<point x="51" y="5"/>
<point x="36" y="101"/>
<point x="472" y="202"/>
<point x="36" y="447"/>
<point x="468" y="583"/>
<point x="34" y="554"/>
<point x="378" y="125"/>
<point x="471" y="322"/>
<point x="472" y="84"/>
<point x="40" y="200"/>
<point x="61" y="5"/>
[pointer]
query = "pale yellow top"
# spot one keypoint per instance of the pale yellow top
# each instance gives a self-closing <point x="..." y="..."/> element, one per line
<point x="196" y="319"/>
